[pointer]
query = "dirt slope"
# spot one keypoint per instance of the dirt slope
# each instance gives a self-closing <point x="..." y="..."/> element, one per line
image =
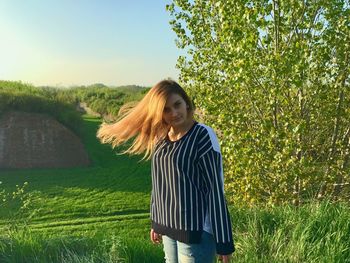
<point x="32" y="140"/>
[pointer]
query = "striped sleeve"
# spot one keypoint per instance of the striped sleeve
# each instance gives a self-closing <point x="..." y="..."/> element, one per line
<point x="210" y="163"/>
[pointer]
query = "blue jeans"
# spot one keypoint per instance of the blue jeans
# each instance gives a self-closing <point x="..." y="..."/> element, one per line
<point x="178" y="252"/>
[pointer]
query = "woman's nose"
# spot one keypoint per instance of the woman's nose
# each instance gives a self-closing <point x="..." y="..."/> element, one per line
<point x="173" y="113"/>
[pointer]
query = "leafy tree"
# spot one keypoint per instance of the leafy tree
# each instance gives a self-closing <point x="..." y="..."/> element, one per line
<point x="272" y="76"/>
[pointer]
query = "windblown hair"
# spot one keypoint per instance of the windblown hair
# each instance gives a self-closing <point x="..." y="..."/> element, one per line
<point x="144" y="121"/>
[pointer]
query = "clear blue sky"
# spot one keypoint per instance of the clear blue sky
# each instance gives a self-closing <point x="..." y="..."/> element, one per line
<point x="81" y="42"/>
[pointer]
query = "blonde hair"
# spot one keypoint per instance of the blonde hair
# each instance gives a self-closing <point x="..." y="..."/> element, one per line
<point x="145" y="120"/>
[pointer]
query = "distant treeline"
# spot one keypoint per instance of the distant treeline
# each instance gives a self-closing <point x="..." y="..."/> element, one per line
<point x="107" y="100"/>
<point x="61" y="103"/>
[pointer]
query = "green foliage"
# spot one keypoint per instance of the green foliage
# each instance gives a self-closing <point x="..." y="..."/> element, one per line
<point x="61" y="103"/>
<point x="24" y="97"/>
<point x="107" y="100"/>
<point x="273" y="78"/>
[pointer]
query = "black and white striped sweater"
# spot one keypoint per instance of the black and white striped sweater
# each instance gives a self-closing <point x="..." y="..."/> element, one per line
<point x="187" y="189"/>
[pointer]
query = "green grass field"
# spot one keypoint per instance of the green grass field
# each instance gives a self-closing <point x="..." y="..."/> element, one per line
<point x="108" y="199"/>
<point x="101" y="214"/>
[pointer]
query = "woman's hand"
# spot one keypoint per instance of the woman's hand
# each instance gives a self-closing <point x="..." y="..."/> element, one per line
<point x="155" y="238"/>
<point x="225" y="258"/>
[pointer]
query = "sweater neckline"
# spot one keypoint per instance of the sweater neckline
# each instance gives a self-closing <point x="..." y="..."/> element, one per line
<point x="185" y="135"/>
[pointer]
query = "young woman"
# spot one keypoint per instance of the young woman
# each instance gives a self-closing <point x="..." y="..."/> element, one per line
<point x="188" y="208"/>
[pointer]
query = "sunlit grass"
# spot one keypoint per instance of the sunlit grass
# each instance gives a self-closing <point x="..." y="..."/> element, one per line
<point x="317" y="232"/>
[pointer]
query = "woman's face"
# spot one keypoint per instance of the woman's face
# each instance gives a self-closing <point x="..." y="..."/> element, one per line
<point x="175" y="111"/>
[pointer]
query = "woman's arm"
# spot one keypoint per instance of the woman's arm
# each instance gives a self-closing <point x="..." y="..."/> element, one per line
<point x="211" y="166"/>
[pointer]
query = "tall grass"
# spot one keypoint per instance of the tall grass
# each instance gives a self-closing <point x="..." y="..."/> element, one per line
<point x="25" y="246"/>
<point x="317" y="232"/>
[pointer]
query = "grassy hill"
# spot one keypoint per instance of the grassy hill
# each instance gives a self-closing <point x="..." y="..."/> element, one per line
<point x="61" y="103"/>
<point x="108" y="199"/>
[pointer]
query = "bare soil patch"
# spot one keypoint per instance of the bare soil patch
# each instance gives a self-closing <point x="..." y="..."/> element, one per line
<point x="33" y="140"/>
